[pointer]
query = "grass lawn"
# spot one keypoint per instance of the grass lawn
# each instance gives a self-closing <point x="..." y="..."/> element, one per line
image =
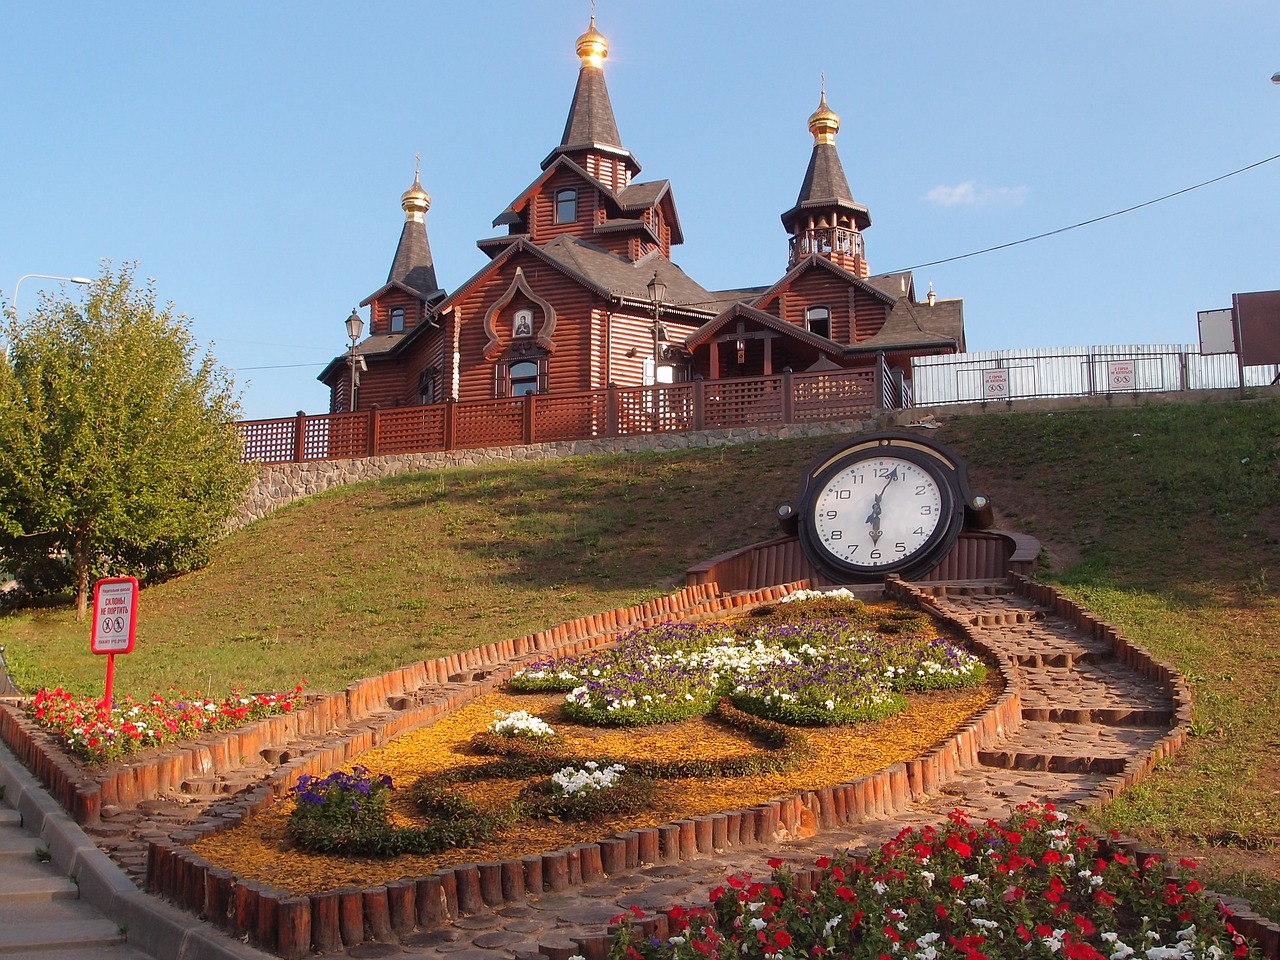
<point x="1165" y="520"/>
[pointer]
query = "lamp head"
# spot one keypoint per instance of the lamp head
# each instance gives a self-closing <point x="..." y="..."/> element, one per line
<point x="657" y="289"/>
<point x="355" y="325"/>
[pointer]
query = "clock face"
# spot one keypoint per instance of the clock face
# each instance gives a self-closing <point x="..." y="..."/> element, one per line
<point x="886" y="503"/>
<point x="879" y="513"/>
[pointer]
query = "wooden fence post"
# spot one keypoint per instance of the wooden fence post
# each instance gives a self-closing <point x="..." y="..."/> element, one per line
<point x="373" y="430"/>
<point x="788" y="398"/>
<point x="527" y="411"/>
<point x="611" y="410"/>
<point x="698" y="395"/>
<point x="449" y="426"/>
<point x="300" y="437"/>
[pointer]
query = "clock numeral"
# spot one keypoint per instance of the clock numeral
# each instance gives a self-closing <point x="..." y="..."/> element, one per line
<point x="926" y="510"/>
<point x="845" y="494"/>
<point x="920" y="489"/>
<point x="836" y="535"/>
<point x="874" y="554"/>
<point x="918" y="531"/>
<point x="831" y="514"/>
<point x="900" y="547"/>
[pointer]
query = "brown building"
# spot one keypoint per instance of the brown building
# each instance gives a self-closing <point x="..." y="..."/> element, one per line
<point x="567" y="300"/>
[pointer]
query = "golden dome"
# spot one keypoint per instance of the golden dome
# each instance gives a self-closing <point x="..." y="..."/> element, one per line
<point x="592" y="46"/>
<point x="824" y="123"/>
<point x="415" y="201"/>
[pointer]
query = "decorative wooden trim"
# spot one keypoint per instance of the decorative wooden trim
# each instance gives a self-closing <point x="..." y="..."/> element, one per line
<point x="546" y="332"/>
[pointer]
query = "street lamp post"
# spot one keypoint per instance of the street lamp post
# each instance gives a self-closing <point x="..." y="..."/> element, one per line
<point x="82" y="281"/>
<point x="657" y="296"/>
<point x="355" y="327"/>
<point x="43" y="276"/>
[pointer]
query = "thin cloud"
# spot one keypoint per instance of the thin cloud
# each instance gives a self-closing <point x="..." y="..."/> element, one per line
<point x="970" y="194"/>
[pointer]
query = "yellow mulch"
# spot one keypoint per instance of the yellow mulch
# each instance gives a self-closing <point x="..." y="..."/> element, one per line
<point x="258" y="849"/>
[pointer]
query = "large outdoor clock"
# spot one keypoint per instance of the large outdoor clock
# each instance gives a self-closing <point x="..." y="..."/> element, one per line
<point x="883" y="503"/>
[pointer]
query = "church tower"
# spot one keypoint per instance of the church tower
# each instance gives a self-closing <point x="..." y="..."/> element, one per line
<point x="825" y="219"/>
<point x="591" y="137"/>
<point x="411" y="290"/>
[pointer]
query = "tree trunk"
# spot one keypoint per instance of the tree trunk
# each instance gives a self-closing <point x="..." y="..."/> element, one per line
<point x="80" y="554"/>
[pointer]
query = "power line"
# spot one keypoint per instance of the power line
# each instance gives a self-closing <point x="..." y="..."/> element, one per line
<point x="1085" y="223"/>
<point x="279" y="366"/>
<point x="1047" y="233"/>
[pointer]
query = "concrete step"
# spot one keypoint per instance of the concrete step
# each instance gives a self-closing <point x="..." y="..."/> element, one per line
<point x="28" y="937"/>
<point x="15" y="843"/>
<point x="31" y="880"/>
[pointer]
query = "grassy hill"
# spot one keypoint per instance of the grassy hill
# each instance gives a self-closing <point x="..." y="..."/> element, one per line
<point x="1164" y="520"/>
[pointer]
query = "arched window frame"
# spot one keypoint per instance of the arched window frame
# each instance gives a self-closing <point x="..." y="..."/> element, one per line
<point x="520" y="375"/>
<point x="395" y="320"/>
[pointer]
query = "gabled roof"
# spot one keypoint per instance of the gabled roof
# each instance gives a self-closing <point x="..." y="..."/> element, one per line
<point x="427" y="295"/>
<point x="625" y="279"/>
<point x="918" y="325"/>
<point x="708" y="330"/>
<point x="816" y="261"/>
<point x="590" y="124"/>
<point x="607" y="275"/>
<point x="370" y="347"/>
<point x="894" y="284"/>
<point x="634" y="196"/>
<point x="512" y="213"/>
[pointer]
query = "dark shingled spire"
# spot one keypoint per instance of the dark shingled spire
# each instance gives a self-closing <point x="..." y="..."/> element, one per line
<point x="825" y="185"/>
<point x="590" y="125"/>
<point x="413" y="265"/>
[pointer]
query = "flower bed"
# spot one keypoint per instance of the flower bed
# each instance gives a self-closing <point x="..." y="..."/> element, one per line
<point x="820" y="660"/>
<point x="92" y="731"/>
<point x="1034" y="886"/>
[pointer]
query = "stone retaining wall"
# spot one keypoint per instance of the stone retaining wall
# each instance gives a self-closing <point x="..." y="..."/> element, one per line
<point x="278" y="484"/>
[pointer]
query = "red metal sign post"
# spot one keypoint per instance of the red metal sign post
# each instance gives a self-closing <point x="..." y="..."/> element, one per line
<point x="115" y="620"/>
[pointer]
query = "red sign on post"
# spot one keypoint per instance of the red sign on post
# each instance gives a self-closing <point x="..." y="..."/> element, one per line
<point x="115" y="620"/>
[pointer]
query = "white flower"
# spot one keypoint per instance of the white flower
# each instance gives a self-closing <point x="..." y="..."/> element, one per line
<point x="879" y="888"/>
<point x="758" y="923"/>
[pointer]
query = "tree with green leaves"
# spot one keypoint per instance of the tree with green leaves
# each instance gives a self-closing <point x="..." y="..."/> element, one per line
<point x="118" y="450"/>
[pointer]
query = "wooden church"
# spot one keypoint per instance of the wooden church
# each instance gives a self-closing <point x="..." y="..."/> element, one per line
<point x="580" y="291"/>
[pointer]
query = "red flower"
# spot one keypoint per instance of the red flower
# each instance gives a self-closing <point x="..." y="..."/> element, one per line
<point x="941" y="911"/>
<point x="782" y="939"/>
<point x="959" y="846"/>
<point x="822" y="863"/>
<point x="774" y="863"/>
<point x="957" y="883"/>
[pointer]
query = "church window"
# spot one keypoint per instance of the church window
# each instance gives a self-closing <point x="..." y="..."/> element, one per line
<point x="522" y="378"/>
<point x="397" y="319"/>
<point x="566" y="206"/>
<point x="818" y="320"/>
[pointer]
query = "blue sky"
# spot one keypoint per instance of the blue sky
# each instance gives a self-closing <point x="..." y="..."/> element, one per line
<point x="251" y="156"/>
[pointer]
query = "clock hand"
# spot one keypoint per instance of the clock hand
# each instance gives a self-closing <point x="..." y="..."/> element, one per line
<point x="874" y="519"/>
